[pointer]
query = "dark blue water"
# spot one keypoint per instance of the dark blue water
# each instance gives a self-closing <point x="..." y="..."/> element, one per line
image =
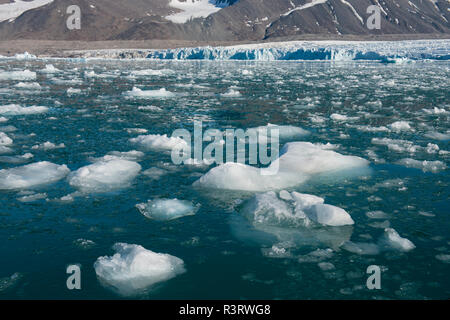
<point x="223" y="256"/>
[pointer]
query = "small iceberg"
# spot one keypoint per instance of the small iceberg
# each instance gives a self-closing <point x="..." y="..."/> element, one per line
<point x="158" y="94"/>
<point x="133" y="269"/>
<point x="104" y="176"/>
<point x="32" y="175"/>
<point x="298" y="162"/>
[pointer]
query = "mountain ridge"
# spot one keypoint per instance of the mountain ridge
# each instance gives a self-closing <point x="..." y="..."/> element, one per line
<point x="234" y="20"/>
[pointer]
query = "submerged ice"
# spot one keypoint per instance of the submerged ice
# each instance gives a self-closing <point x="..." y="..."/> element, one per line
<point x="167" y="209"/>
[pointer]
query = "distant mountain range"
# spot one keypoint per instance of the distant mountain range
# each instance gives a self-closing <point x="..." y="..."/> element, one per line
<point x="218" y="20"/>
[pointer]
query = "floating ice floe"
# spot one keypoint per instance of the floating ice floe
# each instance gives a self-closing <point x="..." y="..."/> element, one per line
<point x="16" y="159"/>
<point x="438" y="136"/>
<point x="49" y="68"/>
<point x="298" y="161"/>
<point x="435" y="110"/>
<point x="158" y="94"/>
<point x="160" y="142"/>
<point x="5" y="140"/>
<point x="72" y="91"/>
<point x="149" y="72"/>
<point x="28" y="85"/>
<point x="392" y="240"/>
<point x="361" y="248"/>
<point x="32" y="197"/>
<point x="425" y="166"/>
<point x="341" y="117"/>
<point x="397" y="145"/>
<point x="25" y="75"/>
<point x="132" y="155"/>
<point x="284" y="132"/>
<point x="84" y="243"/>
<point x="298" y="209"/>
<point x="15" y="109"/>
<point x="167" y="209"/>
<point x="48" y="146"/>
<point x="133" y="269"/>
<point x="32" y="175"/>
<point x="443" y="257"/>
<point x="104" y="176"/>
<point x="154" y="173"/>
<point x="401" y="126"/>
<point x="149" y="108"/>
<point x="3" y="119"/>
<point x="4" y="149"/>
<point x="231" y="93"/>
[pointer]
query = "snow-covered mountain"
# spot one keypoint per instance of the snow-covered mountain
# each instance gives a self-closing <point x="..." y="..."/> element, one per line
<point x="220" y="20"/>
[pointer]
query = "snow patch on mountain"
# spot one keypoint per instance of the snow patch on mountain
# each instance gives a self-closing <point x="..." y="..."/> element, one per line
<point x="192" y="9"/>
<point x="10" y="11"/>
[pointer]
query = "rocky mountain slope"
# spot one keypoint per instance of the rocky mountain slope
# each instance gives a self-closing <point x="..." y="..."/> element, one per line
<point x="218" y="20"/>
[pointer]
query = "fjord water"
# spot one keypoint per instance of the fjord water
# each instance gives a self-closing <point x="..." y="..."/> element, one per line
<point x="355" y="106"/>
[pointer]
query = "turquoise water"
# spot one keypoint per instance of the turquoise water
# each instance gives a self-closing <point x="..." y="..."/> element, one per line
<point x="224" y="256"/>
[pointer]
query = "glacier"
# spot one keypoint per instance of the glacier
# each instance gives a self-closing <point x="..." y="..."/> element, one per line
<point x="384" y="51"/>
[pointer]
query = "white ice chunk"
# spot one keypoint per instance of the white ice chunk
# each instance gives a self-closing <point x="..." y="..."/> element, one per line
<point x="133" y="269"/>
<point x="341" y="117"/>
<point x="284" y="132"/>
<point x="309" y="158"/>
<point x="132" y="155"/>
<point x="5" y="140"/>
<point x="401" y="126"/>
<point x="160" y="142"/>
<point x="268" y="209"/>
<point x="104" y="176"/>
<point x="158" y="94"/>
<point x="329" y="215"/>
<point x="231" y="93"/>
<point x="237" y="176"/>
<point x="432" y="166"/>
<point x="4" y="150"/>
<point x="304" y="200"/>
<point x="48" y="146"/>
<point x="32" y="175"/>
<point x="24" y="75"/>
<point x="49" y="68"/>
<point x="15" y="109"/>
<point x="391" y="239"/>
<point x="167" y="209"/>
<point x="32" y="197"/>
<point x="28" y="85"/>
<point x="297" y="162"/>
